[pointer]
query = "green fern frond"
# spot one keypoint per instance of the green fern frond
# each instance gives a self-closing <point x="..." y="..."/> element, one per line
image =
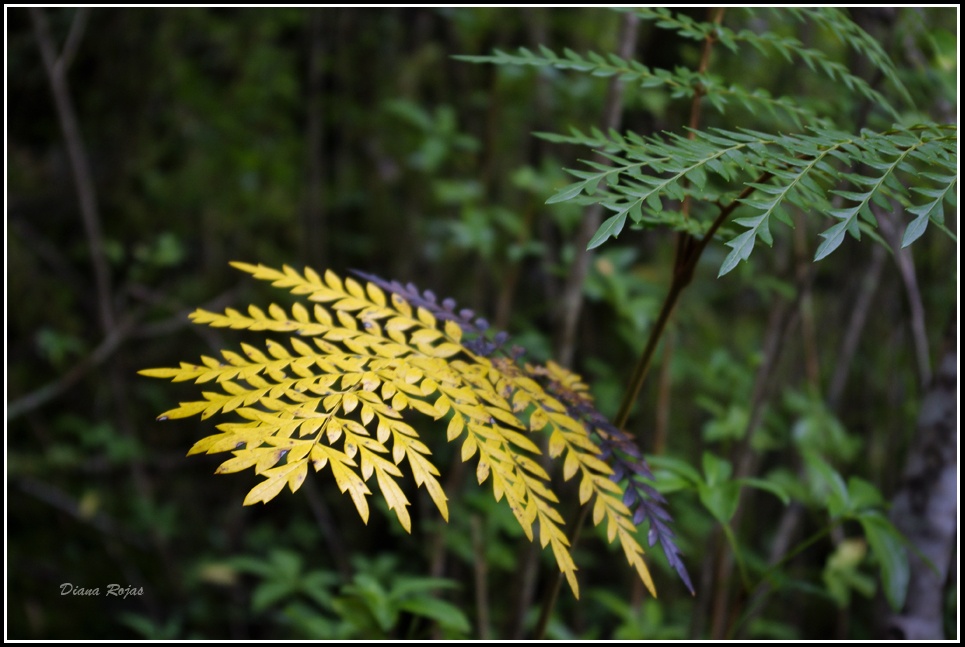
<point x="334" y="396"/>
<point x="804" y="170"/>
<point x="681" y="83"/>
<point x="851" y="34"/>
<point x="789" y="48"/>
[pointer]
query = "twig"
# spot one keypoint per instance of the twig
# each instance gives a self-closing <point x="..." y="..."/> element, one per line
<point x="906" y="269"/>
<point x="572" y="298"/>
<point x="56" y="68"/>
<point x="74" y="36"/>
<point x="315" y="219"/>
<point x="745" y="459"/>
<point x="480" y="574"/>
<point x="855" y="326"/>
<point x="50" y="391"/>
<point x="664" y="384"/>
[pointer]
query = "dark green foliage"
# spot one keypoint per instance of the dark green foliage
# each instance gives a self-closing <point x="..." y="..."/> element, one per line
<point x="345" y="137"/>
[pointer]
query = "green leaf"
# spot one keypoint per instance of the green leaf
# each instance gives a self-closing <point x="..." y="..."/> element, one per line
<point x="567" y="193"/>
<point x="720" y="500"/>
<point x="742" y="247"/>
<point x="716" y="470"/>
<point x="677" y="466"/>
<point x="448" y="615"/>
<point x="887" y="545"/>
<point x="773" y="487"/>
<point x="833" y="237"/>
<point x="611" y="227"/>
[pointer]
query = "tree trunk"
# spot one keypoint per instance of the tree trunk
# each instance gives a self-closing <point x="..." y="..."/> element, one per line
<point x="925" y="509"/>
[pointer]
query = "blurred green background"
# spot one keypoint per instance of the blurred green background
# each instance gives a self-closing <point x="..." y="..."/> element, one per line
<point x="350" y="138"/>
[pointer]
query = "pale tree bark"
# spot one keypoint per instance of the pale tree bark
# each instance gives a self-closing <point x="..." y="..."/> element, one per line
<point x="925" y="508"/>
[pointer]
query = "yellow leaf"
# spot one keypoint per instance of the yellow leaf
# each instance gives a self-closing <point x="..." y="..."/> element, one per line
<point x="438" y="496"/>
<point x="599" y="509"/>
<point x="570" y="465"/>
<point x="300" y="313"/>
<point x="401" y="305"/>
<point x="595" y="464"/>
<point x="351" y="449"/>
<point x="442" y="405"/>
<point x="245" y="458"/>
<point x="426" y="317"/>
<point x="425" y="408"/>
<point x="265" y="491"/>
<point x="563" y="420"/>
<point x="586" y="489"/>
<point x="469" y="447"/>
<point x="557" y="444"/>
<point x="443" y="350"/>
<point x="297" y="476"/>
<point x="520" y="441"/>
<point x="388" y="390"/>
<point x="375" y="294"/>
<point x="350" y="304"/>
<point x="349" y="481"/>
<point x="455" y="429"/>
<point x="453" y="331"/>
<point x="395" y="498"/>
<point x="186" y="410"/>
<point x="537" y="420"/>
<point x="349" y="401"/>
<point x="353" y="288"/>
<point x="482" y="470"/>
<point x="398" y="451"/>
<point x="347" y="320"/>
<point x="333" y="430"/>
<point x="366" y="414"/>
<point x="604" y="483"/>
<point x="299" y="449"/>
<point x="634" y="553"/>
<point x="532" y="467"/>
<point x="163" y="373"/>
<point x="322" y="316"/>
<point x="565" y="562"/>
<point x="333" y="281"/>
<point x="425" y="336"/>
<point x="399" y="323"/>
<point x="429" y="386"/>
<point x="399" y="401"/>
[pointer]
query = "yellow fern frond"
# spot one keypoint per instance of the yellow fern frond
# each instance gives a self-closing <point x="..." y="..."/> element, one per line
<point x="334" y="393"/>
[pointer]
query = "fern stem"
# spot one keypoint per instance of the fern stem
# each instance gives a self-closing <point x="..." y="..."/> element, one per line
<point x="716" y="16"/>
<point x="689" y="251"/>
<point x="643" y="364"/>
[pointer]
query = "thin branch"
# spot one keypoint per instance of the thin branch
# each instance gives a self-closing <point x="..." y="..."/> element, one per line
<point x="56" y="68"/>
<point x="48" y="392"/>
<point x="480" y="575"/>
<point x="74" y="37"/>
<point x="909" y="277"/>
<point x="855" y="326"/>
<point x="127" y="328"/>
<point x="745" y="459"/>
<point x="572" y="298"/>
